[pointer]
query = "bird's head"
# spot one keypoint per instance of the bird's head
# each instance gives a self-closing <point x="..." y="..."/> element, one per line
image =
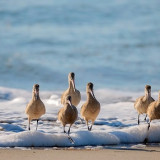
<point x="71" y="78"/>
<point x="36" y="90"/>
<point x="89" y="89"/>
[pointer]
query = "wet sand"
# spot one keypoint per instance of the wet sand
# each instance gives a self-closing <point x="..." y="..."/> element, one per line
<point x="81" y="154"/>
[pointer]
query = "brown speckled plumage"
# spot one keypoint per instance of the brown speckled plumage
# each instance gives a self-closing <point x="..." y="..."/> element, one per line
<point x="141" y="104"/>
<point x="72" y="91"/>
<point x="91" y="108"/>
<point x="35" y="108"/>
<point x="153" y="111"/>
<point x="68" y="114"/>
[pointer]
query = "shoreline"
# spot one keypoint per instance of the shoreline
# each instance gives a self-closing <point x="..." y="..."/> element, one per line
<point x="148" y="152"/>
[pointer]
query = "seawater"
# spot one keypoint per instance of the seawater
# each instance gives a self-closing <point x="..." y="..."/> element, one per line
<point x="114" y="44"/>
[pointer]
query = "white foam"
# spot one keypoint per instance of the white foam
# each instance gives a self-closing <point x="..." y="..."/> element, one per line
<point x="81" y="138"/>
<point x="116" y="123"/>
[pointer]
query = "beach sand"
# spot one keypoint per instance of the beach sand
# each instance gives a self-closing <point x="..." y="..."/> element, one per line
<point x="80" y="154"/>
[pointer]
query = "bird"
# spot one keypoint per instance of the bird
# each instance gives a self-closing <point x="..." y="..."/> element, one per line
<point x="141" y="104"/>
<point x="72" y="91"/>
<point x="153" y="113"/>
<point x="35" y="108"/>
<point x="153" y="110"/>
<point x="68" y="114"/>
<point x="91" y="108"/>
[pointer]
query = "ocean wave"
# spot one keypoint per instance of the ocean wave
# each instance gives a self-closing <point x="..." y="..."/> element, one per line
<point x="116" y="123"/>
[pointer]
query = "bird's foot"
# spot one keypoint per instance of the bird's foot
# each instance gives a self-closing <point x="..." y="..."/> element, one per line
<point x="89" y="128"/>
<point x="70" y="139"/>
<point x="145" y="141"/>
<point x="82" y="121"/>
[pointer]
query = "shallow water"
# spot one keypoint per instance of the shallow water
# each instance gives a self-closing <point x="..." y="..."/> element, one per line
<point x="115" y="125"/>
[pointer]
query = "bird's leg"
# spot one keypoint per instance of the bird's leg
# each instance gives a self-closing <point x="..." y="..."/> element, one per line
<point x="146" y="139"/>
<point x="145" y="117"/>
<point x="91" y="125"/>
<point x="29" y="124"/>
<point x="138" y="119"/>
<point x="81" y="120"/>
<point x="64" y="129"/>
<point x="69" y="130"/>
<point x="69" y="137"/>
<point x="90" y="128"/>
<point x="148" y="125"/>
<point x="87" y="125"/>
<point x="37" y="124"/>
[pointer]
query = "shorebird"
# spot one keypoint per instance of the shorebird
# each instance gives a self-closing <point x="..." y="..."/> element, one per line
<point x="141" y="104"/>
<point x="68" y="115"/>
<point x="35" y="108"/>
<point x="91" y="108"/>
<point x="72" y="91"/>
<point x="153" y="111"/>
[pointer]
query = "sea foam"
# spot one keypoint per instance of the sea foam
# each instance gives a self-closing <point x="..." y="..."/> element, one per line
<point x="116" y="123"/>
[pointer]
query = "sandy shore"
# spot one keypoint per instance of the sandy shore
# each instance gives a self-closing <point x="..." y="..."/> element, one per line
<point x="103" y="154"/>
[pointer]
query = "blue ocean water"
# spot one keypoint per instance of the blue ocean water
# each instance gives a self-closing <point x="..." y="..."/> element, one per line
<point x="115" y="44"/>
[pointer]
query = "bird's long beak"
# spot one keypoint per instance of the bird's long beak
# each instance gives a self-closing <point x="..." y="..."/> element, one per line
<point x="92" y="93"/>
<point x="149" y="92"/>
<point x="36" y="94"/>
<point x="70" y="103"/>
<point x="73" y="83"/>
